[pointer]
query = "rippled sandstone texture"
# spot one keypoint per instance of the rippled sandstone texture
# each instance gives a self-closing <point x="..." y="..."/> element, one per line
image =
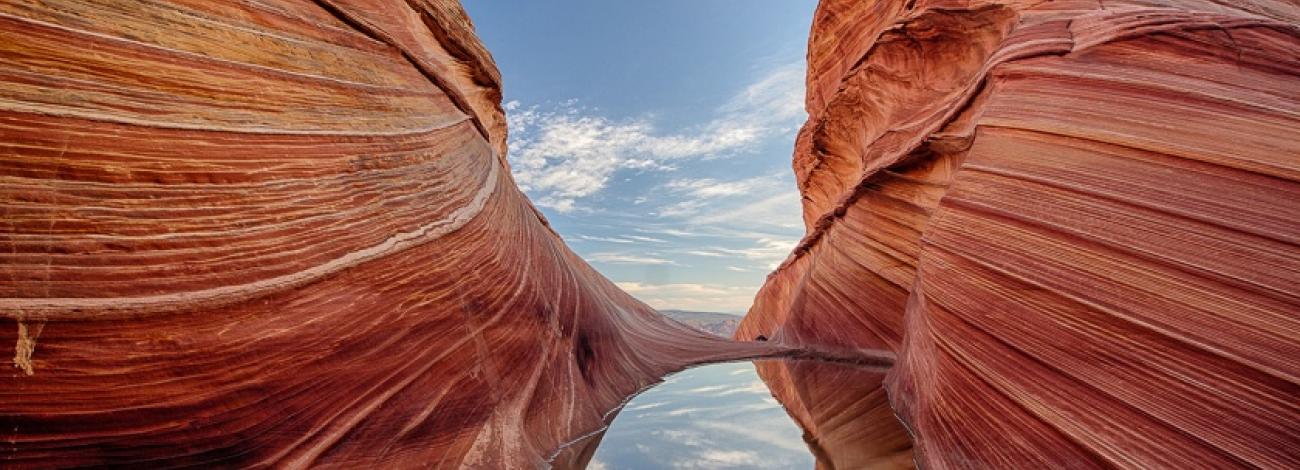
<point x="844" y="412"/>
<point x="1075" y="222"/>
<point x="283" y="233"/>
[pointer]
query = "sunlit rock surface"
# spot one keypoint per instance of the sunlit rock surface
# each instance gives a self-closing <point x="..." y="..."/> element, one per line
<point x="1075" y="222"/>
<point x="282" y="233"/>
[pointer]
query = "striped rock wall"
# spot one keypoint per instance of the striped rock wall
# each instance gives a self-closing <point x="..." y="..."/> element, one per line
<point x="283" y="233"/>
<point x="1075" y="222"/>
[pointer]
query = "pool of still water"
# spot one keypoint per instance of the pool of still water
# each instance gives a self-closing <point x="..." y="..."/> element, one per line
<point x="710" y="417"/>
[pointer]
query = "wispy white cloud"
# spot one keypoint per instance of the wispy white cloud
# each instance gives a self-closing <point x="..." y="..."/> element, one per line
<point x="647" y="406"/>
<point x="691" y="296"/>
<point x="682" y="411"/>
<point x="627" y="258"/>
<point x="707" y="388"/>
<point x="700" y="199"/>
<point x="760" y="211"/>
<point x="645" y="239"/>
<point x="576" y="159"/>
<point x="681" y="208"/>
<point x="721" y="458"/>
<point x="672" y="232"/>
<point x="623" y="239"/>
<point x="604" y="239"/>
<point x="683" y="436"/>
<point x="768" y="252"/>
<point x="779" y="94"/>
<point x="755" y="386"/>
<point x="766" y="435"/>
<point x="566" y="152"/>
<point x="777" y="210"/>
<point x="711" y="188"/>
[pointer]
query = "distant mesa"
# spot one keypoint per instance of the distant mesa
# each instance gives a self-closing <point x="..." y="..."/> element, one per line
<point x="721" y="324"/>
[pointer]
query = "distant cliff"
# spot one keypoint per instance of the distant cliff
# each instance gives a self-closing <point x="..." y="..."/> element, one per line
<point x="721" y="324"/>
<point x="1075" y="222"/>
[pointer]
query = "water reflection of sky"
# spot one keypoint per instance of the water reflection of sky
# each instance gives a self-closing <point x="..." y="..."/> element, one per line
<point x="718" y="416"/>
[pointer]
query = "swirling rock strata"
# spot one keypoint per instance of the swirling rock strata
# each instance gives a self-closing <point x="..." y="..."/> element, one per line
<point x="1075" y="222"/>
<point x="282" y="233"/>
<point x="844" y="412"/>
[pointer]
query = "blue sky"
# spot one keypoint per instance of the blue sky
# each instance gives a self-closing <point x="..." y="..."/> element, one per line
<point x="656" y="135"/>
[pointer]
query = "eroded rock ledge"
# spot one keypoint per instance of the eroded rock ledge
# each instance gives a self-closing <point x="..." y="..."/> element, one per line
<point x="1076" y="222"/>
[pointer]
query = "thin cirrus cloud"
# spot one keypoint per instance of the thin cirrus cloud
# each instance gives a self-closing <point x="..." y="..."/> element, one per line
<point x="768" y="252"/>
<point x="768" y="436"/>
<point x="623" y="239"/>
<point x="709" y="187"/>
<point x="563" y="154"/>
<point x="645" y="239"/>
<point x="692" y="296"/>
<point x="566" y="155"/>
<point x="722" y="458"/>
<point x="625" y="258"/>
<point x="592" y="238"/>
<point x="769" y="201"/>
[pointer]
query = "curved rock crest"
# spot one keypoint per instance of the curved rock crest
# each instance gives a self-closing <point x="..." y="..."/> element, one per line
<point x="283" y="233"/>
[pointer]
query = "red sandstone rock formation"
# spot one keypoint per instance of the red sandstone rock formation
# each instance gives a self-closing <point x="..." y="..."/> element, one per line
<point x="1076" y="222"/>
<point x="282" y="233"/>
<point x="844" y="411"/>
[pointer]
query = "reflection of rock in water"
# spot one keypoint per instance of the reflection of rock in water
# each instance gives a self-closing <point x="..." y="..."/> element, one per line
<point x="577" y="454"/>
<point x="714" y="416"/>
<point x="844" y="412"/>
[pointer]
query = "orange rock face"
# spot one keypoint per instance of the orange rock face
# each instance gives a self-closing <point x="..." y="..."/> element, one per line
<point x="1075" y="222"/>
<point x="282" y="233"/>
<point x="844" y="412"/>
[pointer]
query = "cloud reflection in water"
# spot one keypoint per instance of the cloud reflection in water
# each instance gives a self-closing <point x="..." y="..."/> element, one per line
<point x="711" y="417"/>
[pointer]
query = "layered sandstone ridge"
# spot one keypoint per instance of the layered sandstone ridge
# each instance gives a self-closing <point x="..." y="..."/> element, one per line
<point x="282" y="233"/>
<point x="1075" y="222"/>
